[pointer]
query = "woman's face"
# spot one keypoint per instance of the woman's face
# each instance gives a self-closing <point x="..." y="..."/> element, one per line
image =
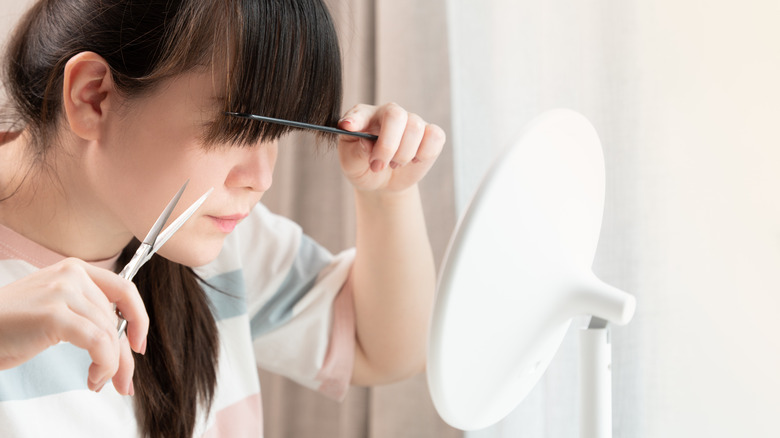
<point x="153" y="145"/>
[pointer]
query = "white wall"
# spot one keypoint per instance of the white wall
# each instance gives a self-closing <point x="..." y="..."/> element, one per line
<point x="709" y="107"/>
<point x="10" y="11"/>
<point x="686" y="97"/>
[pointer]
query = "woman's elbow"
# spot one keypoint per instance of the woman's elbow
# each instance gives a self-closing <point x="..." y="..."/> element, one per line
<point x="386" y="368"/>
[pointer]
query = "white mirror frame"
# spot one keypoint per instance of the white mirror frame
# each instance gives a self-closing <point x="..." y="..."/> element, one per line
<point x="518" y="269"/>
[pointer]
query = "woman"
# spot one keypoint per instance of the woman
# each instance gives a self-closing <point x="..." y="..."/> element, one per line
<point x="115" y="105"/>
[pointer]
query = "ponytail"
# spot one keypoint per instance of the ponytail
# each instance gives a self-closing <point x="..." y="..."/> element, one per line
<point x="178" y="371"/>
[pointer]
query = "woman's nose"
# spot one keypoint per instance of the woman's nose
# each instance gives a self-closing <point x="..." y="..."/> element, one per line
<point x="253" y="168"/>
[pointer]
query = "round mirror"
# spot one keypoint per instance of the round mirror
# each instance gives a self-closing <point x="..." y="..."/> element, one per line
<point x="517" y="270"/>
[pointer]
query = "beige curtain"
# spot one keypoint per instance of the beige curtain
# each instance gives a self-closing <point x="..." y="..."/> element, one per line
<point x="393" y="51"/>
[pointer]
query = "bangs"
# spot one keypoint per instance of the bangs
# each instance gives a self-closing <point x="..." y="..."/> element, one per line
<point x="284" y="62"/>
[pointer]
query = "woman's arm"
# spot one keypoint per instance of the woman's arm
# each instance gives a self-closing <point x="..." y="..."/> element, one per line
<point x="393" y="279"/>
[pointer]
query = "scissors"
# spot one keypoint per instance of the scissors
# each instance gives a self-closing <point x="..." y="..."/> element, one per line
<point x="155" y="239"/>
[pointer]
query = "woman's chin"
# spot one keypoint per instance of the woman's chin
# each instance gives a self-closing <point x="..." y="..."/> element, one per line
<point x="194" y="255"/>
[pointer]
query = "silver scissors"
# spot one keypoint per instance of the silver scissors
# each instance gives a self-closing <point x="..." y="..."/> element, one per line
<point x="155" y="239"/>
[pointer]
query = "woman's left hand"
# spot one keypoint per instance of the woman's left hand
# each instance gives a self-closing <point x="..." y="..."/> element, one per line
<point x="406" y="149"/>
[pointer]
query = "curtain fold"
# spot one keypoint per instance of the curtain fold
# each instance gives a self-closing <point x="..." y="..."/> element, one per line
<point x="393" y="51"/>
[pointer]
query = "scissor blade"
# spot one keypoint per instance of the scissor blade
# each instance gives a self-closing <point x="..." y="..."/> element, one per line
<point x="176" y="224"/>
<point x="153" y="235"/>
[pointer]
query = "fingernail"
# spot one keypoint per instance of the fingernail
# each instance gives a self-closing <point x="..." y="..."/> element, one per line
<point x="377" y="165"/>
<point x="142" y="350"/>
<point x="131" y="389"/>
<point x="394" y="165"/>
<point x="345" y="120"/>
<point x="101" y="387"/>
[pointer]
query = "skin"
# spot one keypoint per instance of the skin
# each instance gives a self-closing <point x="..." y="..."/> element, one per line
<point x="77" y="205"/>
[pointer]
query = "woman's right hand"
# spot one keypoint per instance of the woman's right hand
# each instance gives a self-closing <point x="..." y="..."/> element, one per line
<point x="73" y="301"/>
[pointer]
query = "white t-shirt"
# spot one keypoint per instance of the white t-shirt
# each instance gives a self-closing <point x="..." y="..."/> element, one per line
<point x="276" y="300"/>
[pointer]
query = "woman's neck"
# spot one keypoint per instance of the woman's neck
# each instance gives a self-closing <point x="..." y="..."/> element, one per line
<point x="52" y="205"/>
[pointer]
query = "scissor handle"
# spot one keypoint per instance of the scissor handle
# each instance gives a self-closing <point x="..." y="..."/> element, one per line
<point x="128" y="272"/>
<point x="139" y="258"/>
<point x="121" y="326"/>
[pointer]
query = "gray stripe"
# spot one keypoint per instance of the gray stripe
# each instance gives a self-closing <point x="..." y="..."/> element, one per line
<point x="310" y="260"/>
<point x="227" y="293"/>
<point x="58" y="369"/>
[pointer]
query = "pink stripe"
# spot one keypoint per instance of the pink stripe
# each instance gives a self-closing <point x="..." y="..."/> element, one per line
<point x="336" y="372"/>
<point x="241" y="419"/>
<point x="14" y="246"/>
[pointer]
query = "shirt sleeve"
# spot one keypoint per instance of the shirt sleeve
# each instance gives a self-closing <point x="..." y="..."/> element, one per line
<point x="301" y="316"/>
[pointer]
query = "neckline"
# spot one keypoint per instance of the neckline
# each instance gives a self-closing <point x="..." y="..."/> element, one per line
<point x="16" y="246"/>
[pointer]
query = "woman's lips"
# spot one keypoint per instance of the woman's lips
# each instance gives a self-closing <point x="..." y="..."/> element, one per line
<point x="226" y="224"/>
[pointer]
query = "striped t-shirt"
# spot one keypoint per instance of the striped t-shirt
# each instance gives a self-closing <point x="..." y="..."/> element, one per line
<point x="275" y="295"/>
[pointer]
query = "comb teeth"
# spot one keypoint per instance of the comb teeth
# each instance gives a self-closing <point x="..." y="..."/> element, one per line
<point x="303" y="125"/>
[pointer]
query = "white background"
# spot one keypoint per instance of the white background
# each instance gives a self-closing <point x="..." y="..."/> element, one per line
<point x="686" y="98"/>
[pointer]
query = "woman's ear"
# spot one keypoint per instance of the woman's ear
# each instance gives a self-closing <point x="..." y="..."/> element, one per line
<point x="86" y="93"/>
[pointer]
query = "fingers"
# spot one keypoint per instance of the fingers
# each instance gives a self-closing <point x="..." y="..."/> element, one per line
<point x="111" y="355"/>
<point x="101" y="343"/>
<point x="123" y="379"/>
<point x="394" y="120"/>
<point x="124" y="295"/>
<point x="431" y="145"/>
<point x="90" y="322"/>
<point x="414" y="132"/>
<point x="71" y="301"/>
<point x="404" y="137"/>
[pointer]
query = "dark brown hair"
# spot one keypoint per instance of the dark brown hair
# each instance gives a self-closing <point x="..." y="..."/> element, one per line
<point x="281" y="59"/>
